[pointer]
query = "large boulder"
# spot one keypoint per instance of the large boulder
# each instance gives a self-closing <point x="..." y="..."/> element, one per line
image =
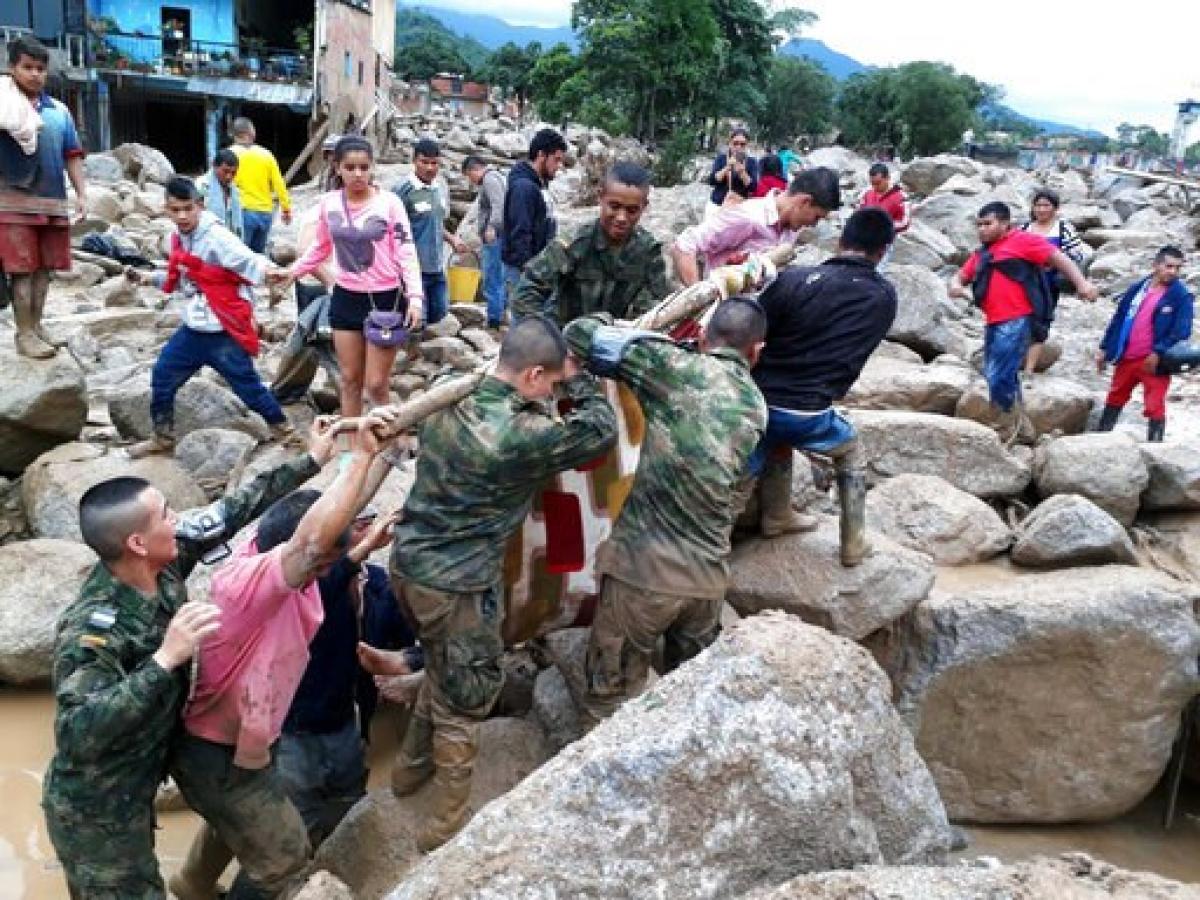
<point x="924" y="176"/>
<point x="952" y="215"/>
<point x="887" y="383"/>
<point x="199" y="404"/>
<point x="802" y="574"/>
<point x="375" y="845"/>
<point x="1069" y="530"/>
<point x="922" y="245"/>
<point x="966" y="454"/>
<point x="38" y="580"/>
<point x="923" y="313"/>
<point x="43" y="403"/>
<point x="775" y="752"/>
<point x="1054" y="405"/>
<point x="144" y="163"/>
<point x="1174" y="477"/>
<point x="102" y="168"/>
<point x="55" y="482"/>
<point x="323" y="886"/>
<point x="1105" y="467"/>
<point x="215" y="453"/>
<point x="1074" y="876"/>
<point x="928" y="514"/>
<point x="1047" y="698"/>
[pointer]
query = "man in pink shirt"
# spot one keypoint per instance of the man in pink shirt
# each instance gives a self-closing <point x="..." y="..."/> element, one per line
<point x="1151" y="317"/>
<point x="249" y="671"/>
<point x="757" y="225"/>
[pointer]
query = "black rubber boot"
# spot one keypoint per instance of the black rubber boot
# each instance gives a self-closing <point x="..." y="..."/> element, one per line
<point x="1108" y="418"/>
<point x="1156" y="429"/>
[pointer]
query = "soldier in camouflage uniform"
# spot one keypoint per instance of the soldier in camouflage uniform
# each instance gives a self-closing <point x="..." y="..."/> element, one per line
<point x="120" y="678"/>
<point x="665" y="566"/>
<point x="481" y="463"/>
<point x="613" y="265"/>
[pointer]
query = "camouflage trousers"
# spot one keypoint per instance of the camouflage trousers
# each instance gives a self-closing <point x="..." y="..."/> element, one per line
<point x="629" y="621"/>
<point x="106" y="860"/>
<point x="460" y="634"/>
<point x="249" y="811"/>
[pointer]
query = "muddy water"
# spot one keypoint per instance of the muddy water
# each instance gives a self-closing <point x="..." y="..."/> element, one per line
<point x="28" y="868"/>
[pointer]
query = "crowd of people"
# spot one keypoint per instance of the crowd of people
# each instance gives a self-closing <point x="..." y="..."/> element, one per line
<point x="256" y="700"/>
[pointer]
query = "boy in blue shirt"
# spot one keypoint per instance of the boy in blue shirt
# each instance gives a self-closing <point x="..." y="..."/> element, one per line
<point x="35" y="235"/>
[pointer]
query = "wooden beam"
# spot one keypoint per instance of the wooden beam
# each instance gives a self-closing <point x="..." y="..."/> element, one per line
<point x="313" y="143"/>
<point x="1152" y="176"/>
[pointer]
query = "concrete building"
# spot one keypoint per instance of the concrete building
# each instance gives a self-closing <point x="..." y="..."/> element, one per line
<point x="173" y="75"/>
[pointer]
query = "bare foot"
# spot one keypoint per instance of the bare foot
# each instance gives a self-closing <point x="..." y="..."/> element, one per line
<point x="402" y="689"/>
<point x="382" y="662"/>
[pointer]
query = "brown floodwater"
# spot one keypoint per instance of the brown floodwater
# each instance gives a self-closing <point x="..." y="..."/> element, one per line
<point x="29" y="871"/>
<point x="28" y="868"/>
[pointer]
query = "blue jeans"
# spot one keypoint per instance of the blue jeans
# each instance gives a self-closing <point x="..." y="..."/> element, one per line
<point x="819" y="433"/>
<point x="257" y="226"/>
<point x="494" y="288"/>
<point x="323" y="775"/>
<point x="434" y="284"/>
<point x="1004" y="347"/>
<point x="186" y="353"/>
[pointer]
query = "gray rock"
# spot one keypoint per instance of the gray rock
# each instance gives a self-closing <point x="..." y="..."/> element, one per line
<point x="323" y="886"/>
<point x="448" y="326"/>
<point x="555" y="709"/>
<point x="375" y="845"/>
<point x="952" y="215"/>
<point x="922" y="313"/>
<point x="450" y="351"/>
<point x="1074" y="876"/>
<point x="43" y="403"/>
<point x="923" y="245"/>
<point x="928" y="514"/>
<point x="1174" y="477"/>
<point x="469" y="315"/>
<point x="215" y="453"/>
<point x="199" y="404"/>
<point x="1054" y="405"/>
<point x="802" y="574"/>
<point x="480" y="340"/>
<point x="1069" y="530"/>
<point x="38" y="580"/>
<point x="56" y="480"/>
<point x="117" y="291"/>
<point x="102" y="168"/>
<point x="966" y="454"/>
<point x="513" y="146"/>
<point x="144" y="163"/>
<point x="775" y="752"/>
<point x="1048" y="698"/>
<point x="1107" y="468"/>
<point x="890" y="384"/>
<point x="924" y="176"/>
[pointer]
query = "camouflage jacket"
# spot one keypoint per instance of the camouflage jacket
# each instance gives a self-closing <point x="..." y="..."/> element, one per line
<point x="704" y="417"/>
<point x="115" y="707"/>
<point x="480" y="465"/>
<point x="572" y="278"/>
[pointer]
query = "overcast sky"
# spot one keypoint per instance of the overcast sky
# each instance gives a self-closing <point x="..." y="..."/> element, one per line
<point x="1068" y="61"/>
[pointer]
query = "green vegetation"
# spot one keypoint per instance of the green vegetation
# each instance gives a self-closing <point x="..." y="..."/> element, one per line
<point x="425" y="47"/>
<point x="799" y="100"/>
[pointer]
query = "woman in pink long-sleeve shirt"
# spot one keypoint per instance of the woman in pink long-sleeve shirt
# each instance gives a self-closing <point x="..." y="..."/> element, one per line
<point x="367" y="232"/>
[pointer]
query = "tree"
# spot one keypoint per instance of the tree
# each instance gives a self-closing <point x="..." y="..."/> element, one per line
<point x="425" y="47"/>
<point x="511" y="68"/>
<point x="799" y="100"/>
<point x="557" y="83"/>
<point x="1191" y="155"/>
<point x="922" y="107"/>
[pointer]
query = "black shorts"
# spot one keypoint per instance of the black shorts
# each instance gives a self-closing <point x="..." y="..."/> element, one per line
<point x="348" y="309"/>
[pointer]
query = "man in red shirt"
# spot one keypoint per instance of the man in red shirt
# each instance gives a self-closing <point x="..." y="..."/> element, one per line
<point x="1005" y="275"/>
<point x="888" y="197"/>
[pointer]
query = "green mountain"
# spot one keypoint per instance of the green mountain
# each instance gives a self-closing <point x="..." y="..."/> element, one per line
<point x="425" y="46"/>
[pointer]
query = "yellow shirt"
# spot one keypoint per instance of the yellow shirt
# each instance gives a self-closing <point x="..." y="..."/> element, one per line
<point x="258" y="178"/>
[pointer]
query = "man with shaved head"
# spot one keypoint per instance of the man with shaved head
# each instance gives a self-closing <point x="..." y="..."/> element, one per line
<point x="665" y="566"/>
<point x="481" y="463"/>
<point x="120" y="669"/>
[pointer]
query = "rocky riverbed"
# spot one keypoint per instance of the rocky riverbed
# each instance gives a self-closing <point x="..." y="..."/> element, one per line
<point x="1016" y="652"/>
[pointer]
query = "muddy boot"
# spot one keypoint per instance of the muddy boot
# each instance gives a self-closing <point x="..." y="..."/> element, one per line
<point x="207" y="859"/>
<point x="162" y="444"/>
<point x="1108" y="418"/>
<point x="449" y="806"/>
<point x="775" y="500"/>
<point x="414" y="761"/>
<point x="1156" y="430"/>
<point x="852" y="497"/>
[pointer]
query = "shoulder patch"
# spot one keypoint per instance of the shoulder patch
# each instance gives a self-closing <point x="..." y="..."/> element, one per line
<point x="92" y="641"/>
<point x="103" y="618"/>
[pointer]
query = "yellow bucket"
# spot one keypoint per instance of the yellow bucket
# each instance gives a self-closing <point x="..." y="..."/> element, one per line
<point x="463" y="281"/>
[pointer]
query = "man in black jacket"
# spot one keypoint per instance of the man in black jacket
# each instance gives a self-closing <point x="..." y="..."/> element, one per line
<point x="528" y="216"/>
<point x="822" y="325"/>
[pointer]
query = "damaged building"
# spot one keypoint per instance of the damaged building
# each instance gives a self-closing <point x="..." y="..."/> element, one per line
<point x="174" y="75"/>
